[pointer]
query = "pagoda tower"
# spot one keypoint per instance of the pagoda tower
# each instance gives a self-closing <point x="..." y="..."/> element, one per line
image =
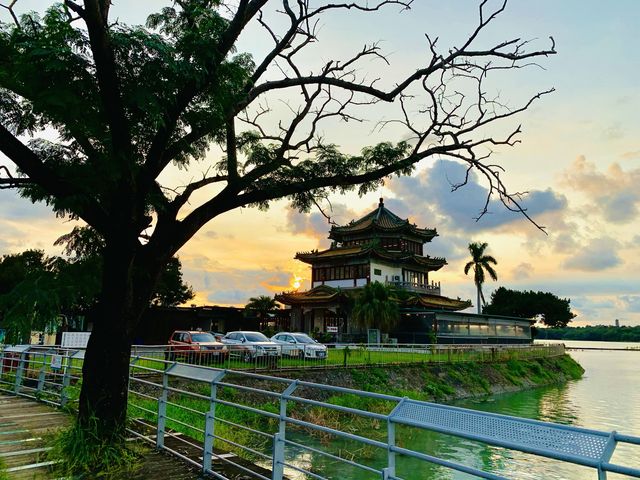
<point x="377" y="247"/>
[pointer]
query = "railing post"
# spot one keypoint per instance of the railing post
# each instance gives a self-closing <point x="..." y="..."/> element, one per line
<point x="42" y="374"/>
<point x="390" y="471"/>
<point x="66" y="380"/>
<point x="209" y="426"/>
<point x="279" y="438"/>
<point x="162" y="411"/>
<point x="278" y="457"/>
<point x="606" y="455"/>
<point x="20" y="373"/>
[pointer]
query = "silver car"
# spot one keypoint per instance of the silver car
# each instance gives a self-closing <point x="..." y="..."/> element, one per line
<point x="299" y="345"/>
<point x="251" y="346"/>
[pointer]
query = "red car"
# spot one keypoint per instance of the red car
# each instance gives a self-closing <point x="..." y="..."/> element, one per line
<point x="196" y="347"/>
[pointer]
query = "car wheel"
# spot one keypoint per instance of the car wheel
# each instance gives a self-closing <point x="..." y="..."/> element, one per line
<point x="301" y="354"/>
<point x="247" y="357"/>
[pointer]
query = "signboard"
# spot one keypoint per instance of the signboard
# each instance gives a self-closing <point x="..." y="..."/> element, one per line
<point x="373" y="335"/>
<point x="75" y="339"/>
<point x="332" y="329"/>
<point x="56" y="362"/>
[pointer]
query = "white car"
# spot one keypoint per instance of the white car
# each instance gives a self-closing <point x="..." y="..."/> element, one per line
<point x="251" y="346"/>
<point x="299" y="345"/>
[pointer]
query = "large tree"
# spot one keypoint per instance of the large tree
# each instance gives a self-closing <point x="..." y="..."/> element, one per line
<point x="553" y="311"/>
<point x="481" y="264"/>
<point x="128" y="102"/>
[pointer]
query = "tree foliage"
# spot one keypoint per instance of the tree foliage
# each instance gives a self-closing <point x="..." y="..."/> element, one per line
<point x="604" y="333"/>
<point x="376" y="306"/>
<point x="553" y="311"/>
<point x="94" y="112"/>
<point x="261" y="305"/>
<point x="37" y="291"/>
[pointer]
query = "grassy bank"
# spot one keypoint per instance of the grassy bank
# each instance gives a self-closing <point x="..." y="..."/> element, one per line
<point x="430" y="382"/>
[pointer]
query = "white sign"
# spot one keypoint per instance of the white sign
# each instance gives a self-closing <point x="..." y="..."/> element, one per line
<point x="332" y="329"/>
<point x="75" y="339"/>
<point x="56" y="362"/>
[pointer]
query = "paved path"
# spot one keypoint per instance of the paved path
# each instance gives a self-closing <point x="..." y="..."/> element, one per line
<point x="25" y="424"/>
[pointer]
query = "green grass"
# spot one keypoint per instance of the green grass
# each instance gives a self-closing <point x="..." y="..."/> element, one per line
<point x="3" y="472"/>
<point x="83" y="454"/>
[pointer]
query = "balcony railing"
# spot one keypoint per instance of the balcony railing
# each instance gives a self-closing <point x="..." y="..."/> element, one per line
<point x="433" y="288"/>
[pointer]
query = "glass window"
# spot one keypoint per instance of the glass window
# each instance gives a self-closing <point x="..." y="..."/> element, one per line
<point x="377" y="271"/>
<point x="203" y="337"/>
<point x="255" y="337"/>
<point x="302" y="338"/>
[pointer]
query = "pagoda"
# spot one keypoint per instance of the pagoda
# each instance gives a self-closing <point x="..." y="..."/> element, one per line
<point x="378" y="247"/>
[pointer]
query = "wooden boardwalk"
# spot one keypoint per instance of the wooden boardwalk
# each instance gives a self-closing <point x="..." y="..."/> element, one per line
<point x="25" y="425"/>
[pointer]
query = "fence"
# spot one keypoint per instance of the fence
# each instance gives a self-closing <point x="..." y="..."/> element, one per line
<point x="267" y="426"/>
<point x="316" y="356"/>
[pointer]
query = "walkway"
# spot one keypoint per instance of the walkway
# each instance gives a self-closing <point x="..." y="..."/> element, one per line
<point x="24" y="424"/>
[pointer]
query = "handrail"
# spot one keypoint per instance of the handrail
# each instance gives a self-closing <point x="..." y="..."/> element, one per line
<point x="39" y="372"/>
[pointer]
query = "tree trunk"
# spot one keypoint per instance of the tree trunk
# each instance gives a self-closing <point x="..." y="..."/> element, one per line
<point x="126" y="290"/>
<point x="479" y="295"/>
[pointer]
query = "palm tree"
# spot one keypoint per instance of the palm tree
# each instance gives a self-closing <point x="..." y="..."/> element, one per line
<point x="376" y="307"/>
<point x="261" y="305"/>
<point x="480" y="263"/>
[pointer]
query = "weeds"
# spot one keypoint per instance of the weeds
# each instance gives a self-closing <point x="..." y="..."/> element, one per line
<point x="82" y="453"/>
<point x="3" y="472"/>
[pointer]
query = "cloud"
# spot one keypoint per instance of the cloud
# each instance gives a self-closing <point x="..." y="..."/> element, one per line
<point x="234" y="286"/>
<point x="613" y="132"/>
<point x="430" y="193"/>
<point x="631" y="155"/>
<point x="316" y="225"/>
<point x="613" y="193"/>
<point x="631" y="303"/>
<point x="14" y="207"/>
<point x="522" y="271"/>
<point x="598" y="254"/>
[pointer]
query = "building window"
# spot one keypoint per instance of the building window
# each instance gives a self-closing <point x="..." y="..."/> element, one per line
<point x="377" y="271"/>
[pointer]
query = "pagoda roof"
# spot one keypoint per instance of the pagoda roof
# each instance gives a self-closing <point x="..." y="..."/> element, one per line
<point x="322" y="294"/>
<point x="325" y="295"/>
<point x="370" y="251"/>
<point x="436" y="302"/>
<point x="381" y="219"/>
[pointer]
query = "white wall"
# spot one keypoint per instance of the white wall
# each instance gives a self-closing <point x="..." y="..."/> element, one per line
<point x="388" y="273"/>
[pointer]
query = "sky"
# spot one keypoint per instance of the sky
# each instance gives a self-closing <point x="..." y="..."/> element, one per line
<point x="579" y="161"/>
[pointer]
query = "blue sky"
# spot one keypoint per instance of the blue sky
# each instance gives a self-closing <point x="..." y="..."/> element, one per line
<point x="579" y="159"/>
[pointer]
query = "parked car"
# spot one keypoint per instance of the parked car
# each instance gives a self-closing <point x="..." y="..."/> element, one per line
<point x="196" y="346"/>
<point x="218" y="336"/>
<point x="300" y="345"/>
<point x="251" y="346"/>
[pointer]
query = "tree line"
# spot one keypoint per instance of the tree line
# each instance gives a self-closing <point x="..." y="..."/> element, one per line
<point x="604" y="333"/>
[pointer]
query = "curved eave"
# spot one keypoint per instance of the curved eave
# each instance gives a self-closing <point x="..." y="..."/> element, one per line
<point x="437" y="302"/>
<point x="321" y="295"/>
<point x="432" y="263"/>
<point x="425" y="234"/>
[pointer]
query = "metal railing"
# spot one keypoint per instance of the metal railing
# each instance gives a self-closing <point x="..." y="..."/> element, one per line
<point x="262" y="425"/>
<point x="316" y="356"/>
<point x="432" y="288"/>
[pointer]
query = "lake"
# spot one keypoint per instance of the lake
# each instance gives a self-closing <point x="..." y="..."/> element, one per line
<point x="606" y="398"/>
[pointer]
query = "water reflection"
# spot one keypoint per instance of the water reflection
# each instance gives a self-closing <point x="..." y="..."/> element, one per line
<point x="607" y="398"/>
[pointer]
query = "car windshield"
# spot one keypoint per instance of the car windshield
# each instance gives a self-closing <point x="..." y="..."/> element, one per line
<point x="302" y="338"/>
<point x="256" y="337"/>
<point x="202" y="337"/>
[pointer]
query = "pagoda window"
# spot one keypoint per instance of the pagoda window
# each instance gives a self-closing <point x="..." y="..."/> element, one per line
<point x="415" y="278"/>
